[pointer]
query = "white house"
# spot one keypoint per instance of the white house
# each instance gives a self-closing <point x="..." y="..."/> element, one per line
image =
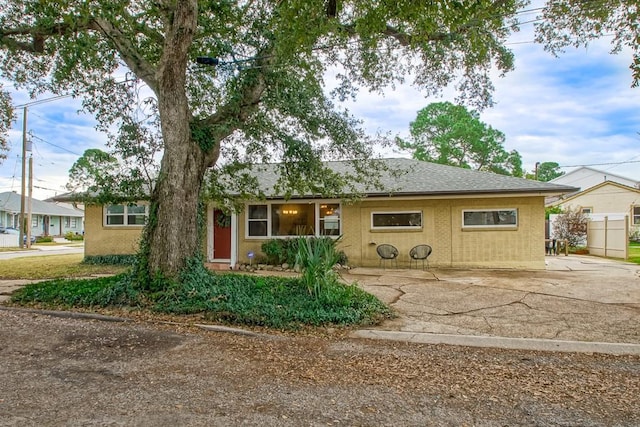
<point x="47" y="219"/>
<point x="585" y="177"/>
<point x="607" y="199"/>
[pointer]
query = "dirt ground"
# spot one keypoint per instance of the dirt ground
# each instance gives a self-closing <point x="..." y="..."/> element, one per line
<point x="72" y="371"/>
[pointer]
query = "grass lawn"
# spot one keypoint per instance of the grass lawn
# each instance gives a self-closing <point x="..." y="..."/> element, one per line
<point x="634" y="252"/>
<point x="53" y="267"/>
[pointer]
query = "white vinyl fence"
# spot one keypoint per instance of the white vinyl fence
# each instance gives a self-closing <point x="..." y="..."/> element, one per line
<point x="608" y="236"/>
<point x="9" y="240"/>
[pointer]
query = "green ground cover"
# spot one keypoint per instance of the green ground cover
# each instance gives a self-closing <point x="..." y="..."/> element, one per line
<point x="231" y="298"/>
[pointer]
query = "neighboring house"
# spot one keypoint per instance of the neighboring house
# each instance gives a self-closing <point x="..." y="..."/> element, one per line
<point x="610" y="199"/>
<point x="585" y="177"/>
<point x="47" y="219"/>
<point x="470" y="218"/>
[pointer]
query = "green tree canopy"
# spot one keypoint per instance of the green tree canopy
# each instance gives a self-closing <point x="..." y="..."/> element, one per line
<point x="263" y="99"/>
<point x="570" y="23"/>
<point x="452" y="135"/>
<point x="548" y="171"/>
<point x="100" y="177"/>
<point x="6" y="115"/>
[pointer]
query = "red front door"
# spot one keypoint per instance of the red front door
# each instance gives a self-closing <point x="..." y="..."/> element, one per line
<point x="221" y="235"/>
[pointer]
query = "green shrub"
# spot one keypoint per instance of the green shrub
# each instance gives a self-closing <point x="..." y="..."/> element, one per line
<point x="274" y="251"/>
<point x="44" y="239"/>
<point x="280" y="251"/>
<point x="70" y="235"/>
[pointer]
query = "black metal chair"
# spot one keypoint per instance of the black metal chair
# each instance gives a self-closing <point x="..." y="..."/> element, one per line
<point x="419" y="253"/>
<point x="387" y="253"/>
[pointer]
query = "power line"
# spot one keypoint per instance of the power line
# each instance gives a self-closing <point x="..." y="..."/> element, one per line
<point x="54" y="145"/>
<point x="601" y="164"/>
<point x="42" y="101"/>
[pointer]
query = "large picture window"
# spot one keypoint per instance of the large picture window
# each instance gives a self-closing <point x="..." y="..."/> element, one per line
<point x="293" y="219"/>
<point x="128" y="215"/>
<point x="396" y="220"/>
<point x="490" y="218"/>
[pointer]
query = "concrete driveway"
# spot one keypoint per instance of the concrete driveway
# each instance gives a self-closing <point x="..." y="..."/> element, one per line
<point x="577" y="298"/>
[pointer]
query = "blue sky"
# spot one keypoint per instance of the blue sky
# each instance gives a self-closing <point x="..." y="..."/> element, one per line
<point x="578" y="109"/>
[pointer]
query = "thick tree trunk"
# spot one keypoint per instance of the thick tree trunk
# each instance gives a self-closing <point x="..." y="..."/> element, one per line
<point x="172" y="235"/>
<point x="173" y="232"/>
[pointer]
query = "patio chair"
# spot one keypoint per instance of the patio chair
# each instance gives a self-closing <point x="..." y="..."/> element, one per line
<point x="387" y="253"/>
<point x="419" y="253"/>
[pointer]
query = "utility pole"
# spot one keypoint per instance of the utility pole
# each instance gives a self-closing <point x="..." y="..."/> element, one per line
<point x="25" y="226"/>
<point x="24" y="170"/>
<point x="28" y="228"/>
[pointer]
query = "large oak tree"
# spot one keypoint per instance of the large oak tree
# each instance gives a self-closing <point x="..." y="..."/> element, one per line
<point x="262" y="99"/>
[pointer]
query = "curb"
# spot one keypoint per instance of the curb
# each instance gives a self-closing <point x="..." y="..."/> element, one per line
<point x="67" y="314"/>
<point x="105" y="318"/>
<point x="502" y="342"/>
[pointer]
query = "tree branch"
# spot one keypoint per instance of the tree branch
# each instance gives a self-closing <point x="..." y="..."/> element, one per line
<point x="39" y="34"/>
<point x="129" y="54"/>
<point x="122" y="43"/>
<point x="404" y="39"/>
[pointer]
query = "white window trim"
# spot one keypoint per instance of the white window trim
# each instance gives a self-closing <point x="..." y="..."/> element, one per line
<point x="269" y="204"/>
<point x="248" y="220"/>
<point x="635" y="218"/>
<point x="401" y="227"/>
<point x="126" y="215"/>
<point x="512" y="226"/>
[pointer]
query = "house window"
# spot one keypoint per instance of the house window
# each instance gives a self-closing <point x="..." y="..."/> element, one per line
<point x="130" y="215"/>
<point x="257" y="220"/>
<point x="636" y="215"/>
<point x="587" y="211"/>
<point x="490" y="218"/>
<point x="70" y="222"/>
<point x="329" y="219"/>
<point x="34" y="221"/>
<point x="396" y="220"/>
<point x="293" y="219"/>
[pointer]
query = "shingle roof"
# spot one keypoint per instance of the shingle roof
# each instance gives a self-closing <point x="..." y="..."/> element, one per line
<point x="10" y="202"/>
<point x="425" y="178"/>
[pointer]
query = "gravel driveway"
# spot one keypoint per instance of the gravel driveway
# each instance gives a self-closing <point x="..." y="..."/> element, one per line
<point x="57" y="370"/>
<point x="62" y="371"/>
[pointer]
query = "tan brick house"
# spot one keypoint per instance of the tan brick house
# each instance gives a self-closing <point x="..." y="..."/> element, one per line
<point x="470" y="218"/>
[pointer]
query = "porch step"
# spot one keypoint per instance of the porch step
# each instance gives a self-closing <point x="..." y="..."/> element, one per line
<point x="218" y="266"/>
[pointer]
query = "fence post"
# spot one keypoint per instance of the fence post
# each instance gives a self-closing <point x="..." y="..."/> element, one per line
<point x="606" y="232"/>
<point x="626" y="233"/>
